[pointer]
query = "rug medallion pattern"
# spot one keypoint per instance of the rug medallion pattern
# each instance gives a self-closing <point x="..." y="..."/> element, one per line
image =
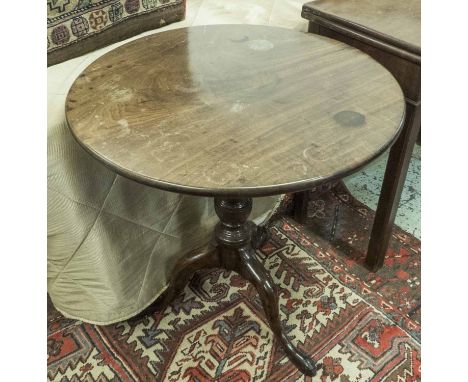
<point x="216" y="329"/>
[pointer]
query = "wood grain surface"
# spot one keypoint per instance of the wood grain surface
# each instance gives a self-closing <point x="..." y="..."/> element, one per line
<point x="235" y="110"/>
<point x="396" y="21"/>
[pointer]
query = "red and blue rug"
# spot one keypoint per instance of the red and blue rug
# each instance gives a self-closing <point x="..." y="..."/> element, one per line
<point x="361" y="326"/>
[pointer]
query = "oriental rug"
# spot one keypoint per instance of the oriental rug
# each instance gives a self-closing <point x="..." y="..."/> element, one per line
<point x="360" y="326"/>
<point x="76" y="27"/>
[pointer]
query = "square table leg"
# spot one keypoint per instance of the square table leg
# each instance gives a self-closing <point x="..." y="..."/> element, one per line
<point x="300" y="203"/>
<point x="392" y="186"/>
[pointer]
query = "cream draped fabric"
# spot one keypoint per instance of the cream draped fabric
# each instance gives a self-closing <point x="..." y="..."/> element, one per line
<point x="112" y="243"/>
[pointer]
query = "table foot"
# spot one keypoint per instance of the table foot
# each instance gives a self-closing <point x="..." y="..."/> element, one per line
<point x="252" y="270"/>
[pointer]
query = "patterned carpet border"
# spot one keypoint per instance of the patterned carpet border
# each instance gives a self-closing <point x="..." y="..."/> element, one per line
<point x="361" y="326"/>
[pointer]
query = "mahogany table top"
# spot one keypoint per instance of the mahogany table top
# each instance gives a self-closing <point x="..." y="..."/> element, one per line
<point x="234" y="110"/>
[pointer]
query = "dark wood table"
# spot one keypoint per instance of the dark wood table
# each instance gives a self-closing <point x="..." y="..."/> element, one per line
<point x="234" y="112"/>
<point x="390" y="32"/>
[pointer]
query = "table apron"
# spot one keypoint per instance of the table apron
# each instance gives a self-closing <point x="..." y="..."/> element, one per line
<point x="404" y="66"/>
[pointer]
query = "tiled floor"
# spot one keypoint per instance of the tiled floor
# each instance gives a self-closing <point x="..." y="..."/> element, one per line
<point x="283" y="13"/>
<point x="365" y="186"/>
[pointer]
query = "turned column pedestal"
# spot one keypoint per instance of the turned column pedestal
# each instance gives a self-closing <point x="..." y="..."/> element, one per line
<point x="236" y="238"/>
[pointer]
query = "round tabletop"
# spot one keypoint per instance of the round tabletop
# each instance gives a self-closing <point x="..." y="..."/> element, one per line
<point x="235" y="110"/>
